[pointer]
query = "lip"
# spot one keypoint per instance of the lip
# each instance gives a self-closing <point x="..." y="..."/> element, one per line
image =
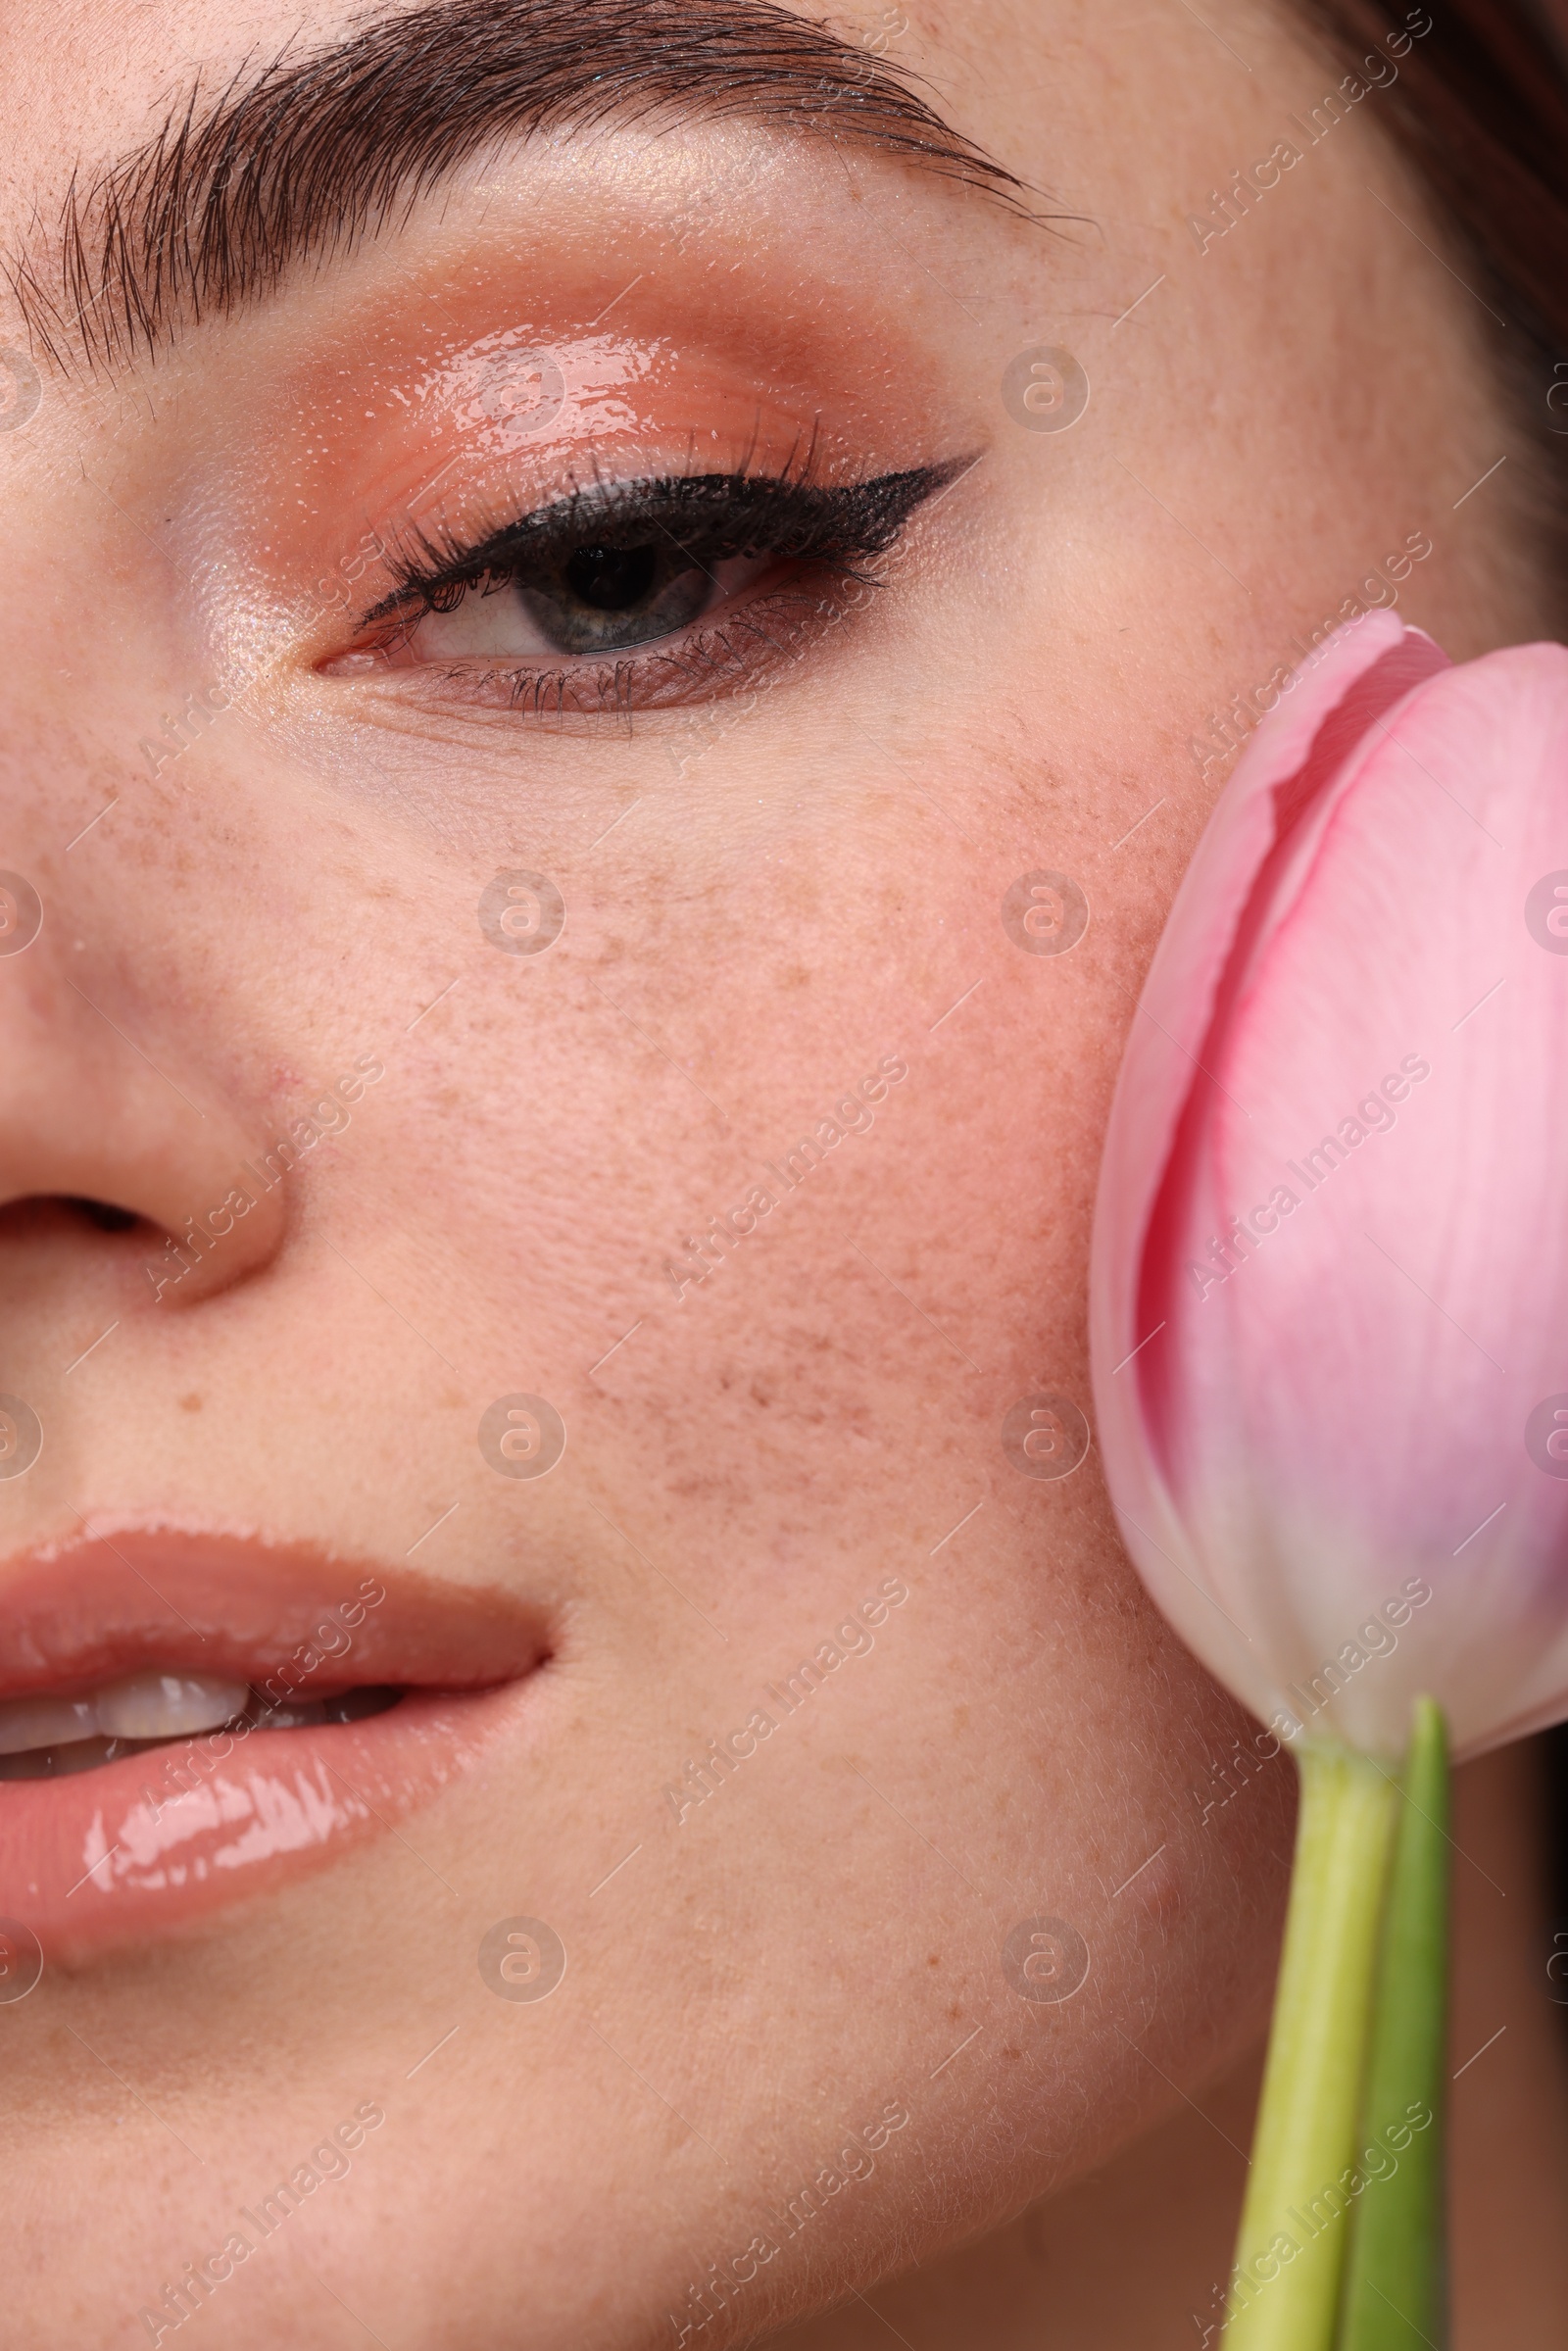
<point x="137" y="1848"/>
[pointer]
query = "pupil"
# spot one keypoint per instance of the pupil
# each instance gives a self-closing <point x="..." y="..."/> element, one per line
<point x="612" y="579"/>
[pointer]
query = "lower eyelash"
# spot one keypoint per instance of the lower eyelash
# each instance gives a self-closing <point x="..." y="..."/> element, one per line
<point x="588" y="687"/>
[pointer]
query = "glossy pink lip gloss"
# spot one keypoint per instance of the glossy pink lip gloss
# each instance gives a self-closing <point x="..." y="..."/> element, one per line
<point x="103" y="1858"/>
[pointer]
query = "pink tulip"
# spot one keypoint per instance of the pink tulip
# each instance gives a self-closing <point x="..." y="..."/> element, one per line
<point x="1330" y="1278"/>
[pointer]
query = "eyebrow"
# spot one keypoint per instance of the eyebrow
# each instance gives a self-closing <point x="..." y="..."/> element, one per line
<point x="310" y="155"/>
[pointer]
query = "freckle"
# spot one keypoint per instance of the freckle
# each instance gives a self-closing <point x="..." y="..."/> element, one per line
<point x="190" y="1403"/>
<point x="955" y="2011"/>
<point x="1159" y="1894"/>
<point x="934" y="1959"/>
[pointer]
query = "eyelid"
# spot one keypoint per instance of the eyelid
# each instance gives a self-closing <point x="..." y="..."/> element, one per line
<point x="828" y="531"/>
<point x="709" y="515"/>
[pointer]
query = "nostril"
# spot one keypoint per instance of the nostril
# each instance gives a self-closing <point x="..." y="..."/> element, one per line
<point x="101" y="1180"/>
<point x="104" y="1214"/>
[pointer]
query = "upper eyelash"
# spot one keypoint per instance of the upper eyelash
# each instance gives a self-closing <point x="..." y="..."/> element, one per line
<point x="711" y="517"/>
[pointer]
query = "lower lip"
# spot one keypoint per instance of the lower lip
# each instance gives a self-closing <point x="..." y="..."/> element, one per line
<point x="126" y="1853"/>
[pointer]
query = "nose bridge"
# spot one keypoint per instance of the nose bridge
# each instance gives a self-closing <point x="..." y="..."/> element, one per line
<point x="109" y="1096"/>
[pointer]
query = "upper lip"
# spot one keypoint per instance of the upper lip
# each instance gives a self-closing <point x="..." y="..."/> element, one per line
<point x="79" y="1612"/>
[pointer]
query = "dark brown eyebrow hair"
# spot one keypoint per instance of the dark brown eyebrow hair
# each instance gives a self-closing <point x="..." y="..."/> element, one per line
<point x="309" y="153"/>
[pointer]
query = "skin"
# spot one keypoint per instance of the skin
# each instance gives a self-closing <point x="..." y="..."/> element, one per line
<point x="792" y="891"/>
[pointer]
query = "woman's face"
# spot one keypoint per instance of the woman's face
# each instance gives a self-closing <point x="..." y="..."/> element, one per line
<point x="550" y="887"/>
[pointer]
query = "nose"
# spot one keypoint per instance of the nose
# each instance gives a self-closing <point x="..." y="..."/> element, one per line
<point x="115" y="1150"/>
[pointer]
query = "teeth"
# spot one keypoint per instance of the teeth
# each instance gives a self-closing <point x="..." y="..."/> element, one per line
<point x="44" y="1722"/>
<point x="166" y="1705"/>
<point x="45" y="1737"/>
<point x="139" y="1706"/>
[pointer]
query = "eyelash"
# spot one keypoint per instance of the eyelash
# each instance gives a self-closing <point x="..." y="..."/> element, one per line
<point x="830" y="532"/>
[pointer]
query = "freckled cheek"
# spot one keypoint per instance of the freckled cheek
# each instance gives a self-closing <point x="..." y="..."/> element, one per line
<point x="1161" y="1895"/>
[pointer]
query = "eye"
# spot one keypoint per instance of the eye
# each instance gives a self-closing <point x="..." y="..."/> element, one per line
<point x="552" y="610"/>
<point x="598" y="600"/>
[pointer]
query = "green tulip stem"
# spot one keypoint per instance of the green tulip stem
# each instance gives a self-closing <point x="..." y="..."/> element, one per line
<point x="1395" y="2276"/>
<point x="1284" y="2289"/>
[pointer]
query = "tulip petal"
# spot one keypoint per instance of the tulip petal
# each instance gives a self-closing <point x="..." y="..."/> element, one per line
<point x="1208" y="942"/>
<point x="1387" y="1346"/>
<point x="1330" y="1281"/>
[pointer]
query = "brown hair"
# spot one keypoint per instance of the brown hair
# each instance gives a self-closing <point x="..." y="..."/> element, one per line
<point x="1481" y="109"/>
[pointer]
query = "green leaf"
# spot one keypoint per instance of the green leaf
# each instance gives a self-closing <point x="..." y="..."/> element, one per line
<point x="1396" y="2278"/>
